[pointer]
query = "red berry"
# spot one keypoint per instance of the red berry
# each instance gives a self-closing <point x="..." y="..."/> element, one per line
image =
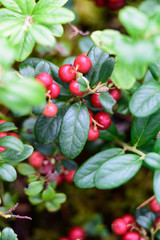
<point x="54" y="90"/>
<point x="77" y="233"/>
<point x="60" y="179"/>
<point x="2" y="121"/>
<point x="119" y="226"/>
<point x="131" y="236"/>
<point x="50" y="110"/>
<point x="2" y="149"/>
<point x="95" y="101"/>
<point x="93" y="133"/>
<point x="101" y="3"/>
<point x="68" y="175"/>
<point x="157" y="222"/>
<point x="115" y="93"/>
<point x="129" y="219"/>
<point x="3" y="134"/>
<point x="115" y="4"/>
<point x="45" y="79"/>
<point x="36" y="159"/>
<point x="143" y="238"/>
<point x="67" y="73"/>
<point x="14" y="135"/>
<point x="74" y="88"/>
<point x="103" y="119"/>
<point x="83" y="64"/>
<point x="154" y="206"/>
<point x="90" y="116"/>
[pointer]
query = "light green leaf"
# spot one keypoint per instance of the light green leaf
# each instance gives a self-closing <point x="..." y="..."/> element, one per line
<point x="52" y="16"/>
<point x="156" y="185"/>
<point x="8" y="234"/>
<point x="153" y="160"/>
<point x="11" y="5"/>
<point x="7" y="172"/>
<point x="24" y="49"/>
<point x="42" y="35"/>
<point x="57" y="30"/>
<point x="25" y="169"/>
<point x="34" y="188"/>
<point x="48" y="194"/>
<point x="49" y="3"/>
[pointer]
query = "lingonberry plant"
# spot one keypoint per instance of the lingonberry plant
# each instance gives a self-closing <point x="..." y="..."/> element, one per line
<point x="64" y="108"/>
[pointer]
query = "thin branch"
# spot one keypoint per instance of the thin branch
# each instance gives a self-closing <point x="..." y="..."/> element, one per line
<point x="76" y="31"/>
<point x="21" y="217"/>
<point x="12" y="209"/>
<point x="146" y="202"/>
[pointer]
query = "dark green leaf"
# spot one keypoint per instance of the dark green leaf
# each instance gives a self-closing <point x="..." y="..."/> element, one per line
<point x="69" y="164"/>
<point x="12" y="143"/>
<point x="7" y="126"/>
<point x="145" y="129"/>
<point x="47" y="150"/>
<point x="107" y="101"/>
<point x="117" y="171"/>
<point x="13" y="156"/>
<point x="74" y="130"/>
<point x="42" y="66"/>
<point x="155" y="70"/>
<point x="153" y="160"/>
<point x="84" y="177"/>
<point x="25" y="169"/>
<point x="106" y="70"/>
<point x="8" y="234"/>
<point x="98" y="57"/>
<point x="144" y="222"/>
<point x="109" y="134"/>
<point x="156" y="185"/>
<point x="47" y="129"/>
<point x="7" y="172"/>
<point x="156" y="147"/>
<point x="34" y="188"/>
<point x="146" y="100"/>
<point x="27" y="70"/>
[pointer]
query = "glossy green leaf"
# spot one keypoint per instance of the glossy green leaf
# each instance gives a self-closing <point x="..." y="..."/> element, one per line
<point x="8" y="234"/>
<point x="98" y="57"/>
<point x="7" y="126"/>
<point x="49" y="3"/>
<point x="107" y="101"/>
<point x="146" y="100"/>
<point x="47" y="150"/>
<point x="13" y="156"/>
<point x="135" y="21"/>
<point x="34" y="188"/>
<point x="156" y="184"/>
<point x="43" y="66"/>
<point x="106" y="70"/>
<point x="24" y="49"/>
<point x="105" y="40"/>
<point x="25" y="169"/>
<point x="145" y="129"/>
<point x="145" y="222"/>
<point x="84" y="176"/>
<point x="156" y="147"/>
<point x="26" y="70"/>
<point x="42" y="35"/>
<point x="155" y="70"/>
<point x="50" y="16"/>
<point x="74" y="130"/>
<point x="48" y="194"/>
<point x="47" y="129"/>
<point x="109" y="134"/>
<point x="153" y="160"/>
<point x="122" y="76"/>
<point x="83" y="86"/>
<point x="12" y="143"/>
<point x="117" y="171"/>
<point x="7" y="172"/>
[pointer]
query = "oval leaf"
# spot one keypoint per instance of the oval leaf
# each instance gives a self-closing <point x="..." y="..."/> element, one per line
<point x="34" y="188"/>
<point x="117" y="171"/>
<point x="12" y="143"/>
<point x="156" y="185"/>
<point x="7" y="172"/>
<point x="8" y="234"/>
<point x="74" y="130"/>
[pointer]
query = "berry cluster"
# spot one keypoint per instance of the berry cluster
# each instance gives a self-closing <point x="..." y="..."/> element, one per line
<point x="46" y="164"/>
<point x="53" y="91"/>
<point x="131" y="228"/>
<point x="70" y="73"/>
<point x="75" y="233"/>
<point x="111" y="4"/>
<point x="4" y="134"/>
